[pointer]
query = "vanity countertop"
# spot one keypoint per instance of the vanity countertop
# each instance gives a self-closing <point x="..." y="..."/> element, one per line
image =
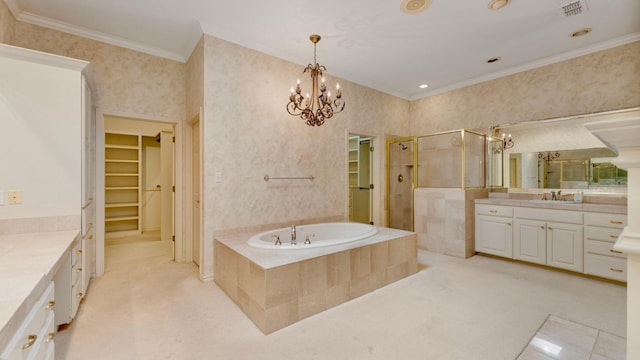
<point x="28" y="263"/>
<point x="557" y="205"/>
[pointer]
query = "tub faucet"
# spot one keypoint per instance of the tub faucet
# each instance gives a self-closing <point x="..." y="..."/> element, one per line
<point x="293" y="234"/>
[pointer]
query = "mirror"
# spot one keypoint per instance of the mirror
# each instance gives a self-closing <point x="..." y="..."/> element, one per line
<point x="566" y="169"/>
<point x="557" y="154"/>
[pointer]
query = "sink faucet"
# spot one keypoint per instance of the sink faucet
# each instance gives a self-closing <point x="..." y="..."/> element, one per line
<point x="293" y="234"/>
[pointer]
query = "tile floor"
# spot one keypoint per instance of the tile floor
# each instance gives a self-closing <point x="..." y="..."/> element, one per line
<point x="148" y="307"/>
<point x="563" y="339"/>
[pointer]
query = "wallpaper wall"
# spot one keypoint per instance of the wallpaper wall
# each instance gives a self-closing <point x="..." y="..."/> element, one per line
<point x="601" y="81"/>
<point x="125" y="81"/>
<point x="7" y="24"/>
<point x="248" y="134"/>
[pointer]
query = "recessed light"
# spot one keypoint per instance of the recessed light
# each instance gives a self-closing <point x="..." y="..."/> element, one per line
<point x="581" y="32"/>
<point x="424" y="86"/>
<point x="414" y="6"/>
<point x="492" y="60"/>
<point x="498" y="4"/>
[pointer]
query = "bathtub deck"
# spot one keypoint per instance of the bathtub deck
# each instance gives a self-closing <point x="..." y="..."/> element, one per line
<point x="276" y="288"/>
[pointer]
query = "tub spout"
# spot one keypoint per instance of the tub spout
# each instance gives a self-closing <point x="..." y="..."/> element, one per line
<point x="293" y="234"/>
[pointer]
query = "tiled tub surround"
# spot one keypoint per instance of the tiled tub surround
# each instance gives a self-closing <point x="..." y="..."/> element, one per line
<point x="276" y="288"/>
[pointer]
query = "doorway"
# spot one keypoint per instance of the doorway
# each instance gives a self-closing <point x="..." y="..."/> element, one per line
<point x="360" y="171"/>
<point x="135" y="186"/>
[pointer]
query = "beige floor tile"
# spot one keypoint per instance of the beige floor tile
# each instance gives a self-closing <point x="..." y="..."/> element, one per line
<point x="610" y="347"/>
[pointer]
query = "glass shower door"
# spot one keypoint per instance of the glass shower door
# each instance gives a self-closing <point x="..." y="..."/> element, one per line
<point x="400" y="183"/>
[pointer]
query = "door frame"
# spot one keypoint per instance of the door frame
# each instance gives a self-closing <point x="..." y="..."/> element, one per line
<point x="189" y="193"/>
<point x="375" y="177"/>
<point x="99" y="195"/>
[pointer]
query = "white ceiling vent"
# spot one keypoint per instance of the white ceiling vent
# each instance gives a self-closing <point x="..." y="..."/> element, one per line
<point x="574" y="8"/>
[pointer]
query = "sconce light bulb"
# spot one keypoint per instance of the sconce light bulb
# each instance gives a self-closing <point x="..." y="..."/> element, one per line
<point x="337" y="86"/>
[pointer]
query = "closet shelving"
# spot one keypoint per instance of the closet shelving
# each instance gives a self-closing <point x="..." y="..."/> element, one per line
<point x="354" y="156"/>
<point x="122" y="182"/>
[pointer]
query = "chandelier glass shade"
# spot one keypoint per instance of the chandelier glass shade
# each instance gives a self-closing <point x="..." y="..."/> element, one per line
<point x="316" y="107"/>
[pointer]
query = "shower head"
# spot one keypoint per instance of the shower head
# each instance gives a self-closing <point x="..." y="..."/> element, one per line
<point x="403" y="146"/>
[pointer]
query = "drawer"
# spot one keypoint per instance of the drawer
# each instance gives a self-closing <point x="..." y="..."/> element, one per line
<point x="601" y="234"/>
<point x="615" y="221"/>
<point x="45" y="340"/>
<point x="602" y="248"/>
<point x="76" y="254"/>
<point x="494" y="210"/>
<point x="606" y="267"/>
<point x="28" y="337"/>
<point x="559" y="216"/>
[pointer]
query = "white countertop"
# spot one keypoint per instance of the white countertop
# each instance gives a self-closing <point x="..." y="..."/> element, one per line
<point x="28" y="262"/>
<point x="558" y="205"/>
<point x="269" y="258"/>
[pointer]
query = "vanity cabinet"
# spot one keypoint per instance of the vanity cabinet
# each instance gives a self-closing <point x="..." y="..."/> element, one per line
<point x="35" y="336"/>
<point x="549" y="237"/>
<point x="494" y="234"/>
<point x="600" y="234"/>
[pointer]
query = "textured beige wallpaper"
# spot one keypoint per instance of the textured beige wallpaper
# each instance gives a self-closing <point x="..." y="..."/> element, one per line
<point x="601" y="81"/>
<point x="126" y="81"/>
<point x="248" y="134"/>
<point x="7" y="24"/>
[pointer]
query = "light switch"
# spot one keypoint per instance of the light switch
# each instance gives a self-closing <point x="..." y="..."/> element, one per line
<point x="15" y="197"/>
<point x="217" y="177"/>
<point x="1" y="197"/>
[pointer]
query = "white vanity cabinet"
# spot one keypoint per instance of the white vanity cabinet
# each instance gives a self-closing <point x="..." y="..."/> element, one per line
<point x="34" y="338"/>
<point x="494" y="230"/>
<point x="550" y="237"/>
<point x="600" y="234"/>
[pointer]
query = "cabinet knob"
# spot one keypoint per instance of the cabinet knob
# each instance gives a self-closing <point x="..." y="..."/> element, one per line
<point x="79" y="251"/>
<point x="509" y="224"/>
<point x="79" y="295"/>
<point x="50" y="305"/>
<point x="616" y="270"/>
<point x="79" y="269"/>
<point x="493" y="211"/>
<point x="32" y="339"/>
<point x="542" y="227"/>
<point x="613" y="236"/>
<point x="50" y="337"/>
<point x="550" y="228"/>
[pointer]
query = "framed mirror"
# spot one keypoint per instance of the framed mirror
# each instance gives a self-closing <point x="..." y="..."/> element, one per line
<point x="558" y="154"/>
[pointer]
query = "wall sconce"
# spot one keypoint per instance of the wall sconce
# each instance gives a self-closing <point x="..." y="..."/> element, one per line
<point x="507" y="143"/>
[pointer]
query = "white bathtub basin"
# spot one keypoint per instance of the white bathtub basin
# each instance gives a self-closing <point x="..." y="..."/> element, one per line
<point x="325" y="234"/>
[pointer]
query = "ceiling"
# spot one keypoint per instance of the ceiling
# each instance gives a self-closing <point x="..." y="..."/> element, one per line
<point x="369" y="42"/>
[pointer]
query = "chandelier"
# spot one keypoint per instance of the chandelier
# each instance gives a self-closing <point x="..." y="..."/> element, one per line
<point x="318" y="106"/>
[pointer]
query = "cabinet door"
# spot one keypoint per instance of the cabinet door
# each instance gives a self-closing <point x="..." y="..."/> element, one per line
<point x="565" y="246"/>
<point x="530" y="241"/>
<point x="494" y="235"/>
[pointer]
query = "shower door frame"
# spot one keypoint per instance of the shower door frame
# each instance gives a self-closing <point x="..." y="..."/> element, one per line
<point x="414" y="180"/>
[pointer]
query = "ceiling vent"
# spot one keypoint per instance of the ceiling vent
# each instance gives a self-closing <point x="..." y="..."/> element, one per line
<point x="574" y="8"/>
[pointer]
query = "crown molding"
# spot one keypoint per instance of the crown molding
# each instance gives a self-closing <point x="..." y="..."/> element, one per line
<point x="98" y="36"/>
<point x="627" y="39"/>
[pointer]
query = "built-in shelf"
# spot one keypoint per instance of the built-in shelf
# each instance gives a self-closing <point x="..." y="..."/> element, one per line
<point x="122" y="182"/>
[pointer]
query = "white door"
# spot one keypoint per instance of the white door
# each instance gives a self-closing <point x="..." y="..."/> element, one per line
<point x="166" y="186"/>
<point x="565" y="246"/>
<point x="530" y="242"/>
<point x="196" y="191"/>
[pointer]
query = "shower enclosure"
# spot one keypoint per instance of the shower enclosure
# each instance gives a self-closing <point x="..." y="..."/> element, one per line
<point x="400" y="183"/>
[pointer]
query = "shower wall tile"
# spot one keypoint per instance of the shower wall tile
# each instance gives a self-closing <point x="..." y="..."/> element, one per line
<point x="444" y="220"/>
